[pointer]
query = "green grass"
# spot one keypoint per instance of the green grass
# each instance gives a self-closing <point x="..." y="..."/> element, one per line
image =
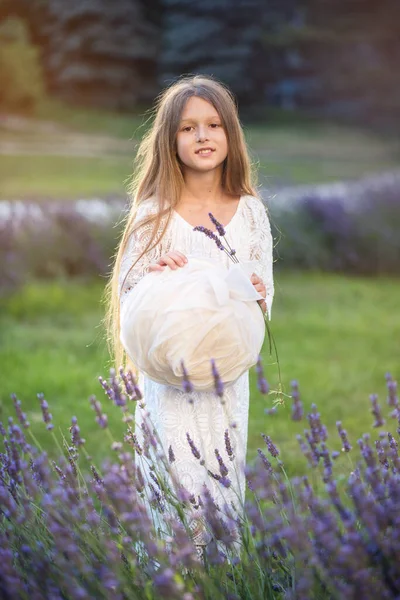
<point x="38" y="177"/>
<point x="337" y="336"/>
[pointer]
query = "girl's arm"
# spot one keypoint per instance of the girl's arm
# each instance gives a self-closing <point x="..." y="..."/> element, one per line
<point x="132" y="270"/>
<point x="261" y="250"/>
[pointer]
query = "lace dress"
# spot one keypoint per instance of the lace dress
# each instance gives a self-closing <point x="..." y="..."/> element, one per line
<point x="204" y="418"/>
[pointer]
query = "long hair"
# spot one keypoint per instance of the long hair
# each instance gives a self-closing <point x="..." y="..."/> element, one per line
<point x="158" y="175"/>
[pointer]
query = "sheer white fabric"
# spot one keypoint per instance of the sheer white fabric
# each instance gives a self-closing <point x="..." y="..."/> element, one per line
<point x="205" y="418"/>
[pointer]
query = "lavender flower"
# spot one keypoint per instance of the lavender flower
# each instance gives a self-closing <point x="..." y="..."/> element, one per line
<point x="343" y="435"/>
<point x="265" y="460"/>
<point x="20" y="415"/>
<point x="219" y="227"/>
<point x="392" y="398"/>
<point x="47" y="418"/>
<point x="186" y="384"/>
<point x="113" y="389"/>
<point x="222" y="467"/>
<point x="210" y="235"/>
<point x="193" y="448"/>
<point x="272" y="449"/>
<point x="262" y="383"/>
<point x="376" y="411"/>
<point x="171" y="455"/>
<point x="219" y="386"/>
<point x="101" y="418"/>
<point x="75" y="431"/>
<point x="228" y="446"/>
<point x="297" y="406"/>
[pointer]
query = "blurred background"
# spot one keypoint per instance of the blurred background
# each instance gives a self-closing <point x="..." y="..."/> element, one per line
<point x="319" y="97"/>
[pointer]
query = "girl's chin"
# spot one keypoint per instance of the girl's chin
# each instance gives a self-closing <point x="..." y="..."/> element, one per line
<point x="202" y="167"/>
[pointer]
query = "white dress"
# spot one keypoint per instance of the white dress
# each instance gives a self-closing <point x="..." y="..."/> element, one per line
<point x="204" y="418"/>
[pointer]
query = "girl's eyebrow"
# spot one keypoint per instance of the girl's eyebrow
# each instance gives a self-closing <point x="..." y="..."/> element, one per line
<point x="191" y="120"/>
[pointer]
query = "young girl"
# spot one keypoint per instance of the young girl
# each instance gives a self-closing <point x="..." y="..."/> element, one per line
<point x="193" y="161"/>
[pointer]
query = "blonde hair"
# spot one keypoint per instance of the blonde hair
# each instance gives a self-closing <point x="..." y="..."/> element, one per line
<point x="158" y="174"/>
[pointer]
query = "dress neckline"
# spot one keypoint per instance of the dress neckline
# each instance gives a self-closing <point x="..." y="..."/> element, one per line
<point x="238" y="208"/>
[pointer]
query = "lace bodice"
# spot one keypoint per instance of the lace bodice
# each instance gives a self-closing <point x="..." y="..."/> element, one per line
<point x="248" y="232"/>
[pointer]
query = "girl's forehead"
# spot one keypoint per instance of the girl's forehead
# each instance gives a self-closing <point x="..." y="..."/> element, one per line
<point x="196" y="107"/>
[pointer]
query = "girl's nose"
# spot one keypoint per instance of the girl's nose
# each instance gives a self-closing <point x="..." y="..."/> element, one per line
<point x="201" y="134"/>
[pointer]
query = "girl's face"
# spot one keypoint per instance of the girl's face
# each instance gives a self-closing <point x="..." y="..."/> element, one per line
<point x="201" y="140"/>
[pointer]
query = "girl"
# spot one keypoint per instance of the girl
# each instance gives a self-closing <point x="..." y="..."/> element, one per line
<point x="193" y="161"/>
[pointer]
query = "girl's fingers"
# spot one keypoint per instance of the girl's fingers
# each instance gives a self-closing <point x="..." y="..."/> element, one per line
<point x="173" y="259"/>
<point x="260" y="287"/>
<point x="155" y="268"/>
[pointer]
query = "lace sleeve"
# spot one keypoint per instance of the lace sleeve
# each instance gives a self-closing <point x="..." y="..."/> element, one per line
<point x="131" y="272"/>
<point x="261" y="249"/>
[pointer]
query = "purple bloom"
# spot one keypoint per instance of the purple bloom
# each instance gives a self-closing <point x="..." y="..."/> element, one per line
<point x="222" y="467"/>
<point x="392" y="398"/>
<point x="75" y="431"/>
<point x="343" y="435"/>
<point x="193" y="448"/>
<point x="228" y="445"/>
<point x="210" y="235"/>
<point x="47" y="418"/>
<point x="171" y="455"/>
<point x="113" y="389"/>
<point x="272" y="449"/>
<point x="297" y="406"/>
<point x="376" y="411"/>
<point x="219" y="386"/>
<point x="101" y="418"/>
<point x="262" y="383"/>
<point x="265" y="460"/>
<point x="186" y="384"/>
<point x="220" y="228"/>
<point x="20" y="415"/>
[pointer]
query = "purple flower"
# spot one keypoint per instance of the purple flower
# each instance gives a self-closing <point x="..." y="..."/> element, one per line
<point x="210" y="235"/>
<point x="392" y="398"/>
<point x="272" y="449"/>
<point x="262" y="383"/>
<point x="220" y="228"/>
<point x="75" y="432"/>
<point x="228" y="445"/>
<point x="376" y="411"/>
<point x="222" y="467"/>
<point x="265" y="460"/>
<point x="219" y="386"/>
<point x="186" y="383"/>
<point x="101" y="418"/>
<point x="47" y="418"/>
<point x="193" y="448"/>
<point x="171" y="455"/>
<point x="20" y="415"/>
<point x="297" y="406"/>
<point x="343" y="435"/>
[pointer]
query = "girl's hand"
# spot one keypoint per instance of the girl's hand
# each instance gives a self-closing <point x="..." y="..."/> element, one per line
<point x="261" y="289"/>
<point x="171" y="259"/>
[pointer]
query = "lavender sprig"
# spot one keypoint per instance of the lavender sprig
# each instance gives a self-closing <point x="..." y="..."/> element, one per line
<point x="231" y="253"/>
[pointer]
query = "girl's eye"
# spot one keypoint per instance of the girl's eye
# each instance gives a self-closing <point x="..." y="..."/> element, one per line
<point x="215" y="125"/>
<point x="187" y="128"/>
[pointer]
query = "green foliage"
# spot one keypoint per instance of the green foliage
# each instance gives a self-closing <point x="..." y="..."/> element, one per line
<point x="22" y="84"/>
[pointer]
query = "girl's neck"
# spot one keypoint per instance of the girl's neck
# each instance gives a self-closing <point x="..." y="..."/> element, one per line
<point x="205" y="188"/>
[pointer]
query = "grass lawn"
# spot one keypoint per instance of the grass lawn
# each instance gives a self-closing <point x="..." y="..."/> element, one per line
<point x="43" y="177"/>
<point x="337" y="336"/>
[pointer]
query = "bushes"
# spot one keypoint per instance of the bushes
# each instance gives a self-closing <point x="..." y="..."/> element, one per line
<point x="353" y="232"/>
<point x="69" y="529"/>
<point x="22" y="83"/>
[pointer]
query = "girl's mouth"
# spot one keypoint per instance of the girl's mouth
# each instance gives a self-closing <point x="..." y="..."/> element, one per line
<point x="204" y="151"/>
